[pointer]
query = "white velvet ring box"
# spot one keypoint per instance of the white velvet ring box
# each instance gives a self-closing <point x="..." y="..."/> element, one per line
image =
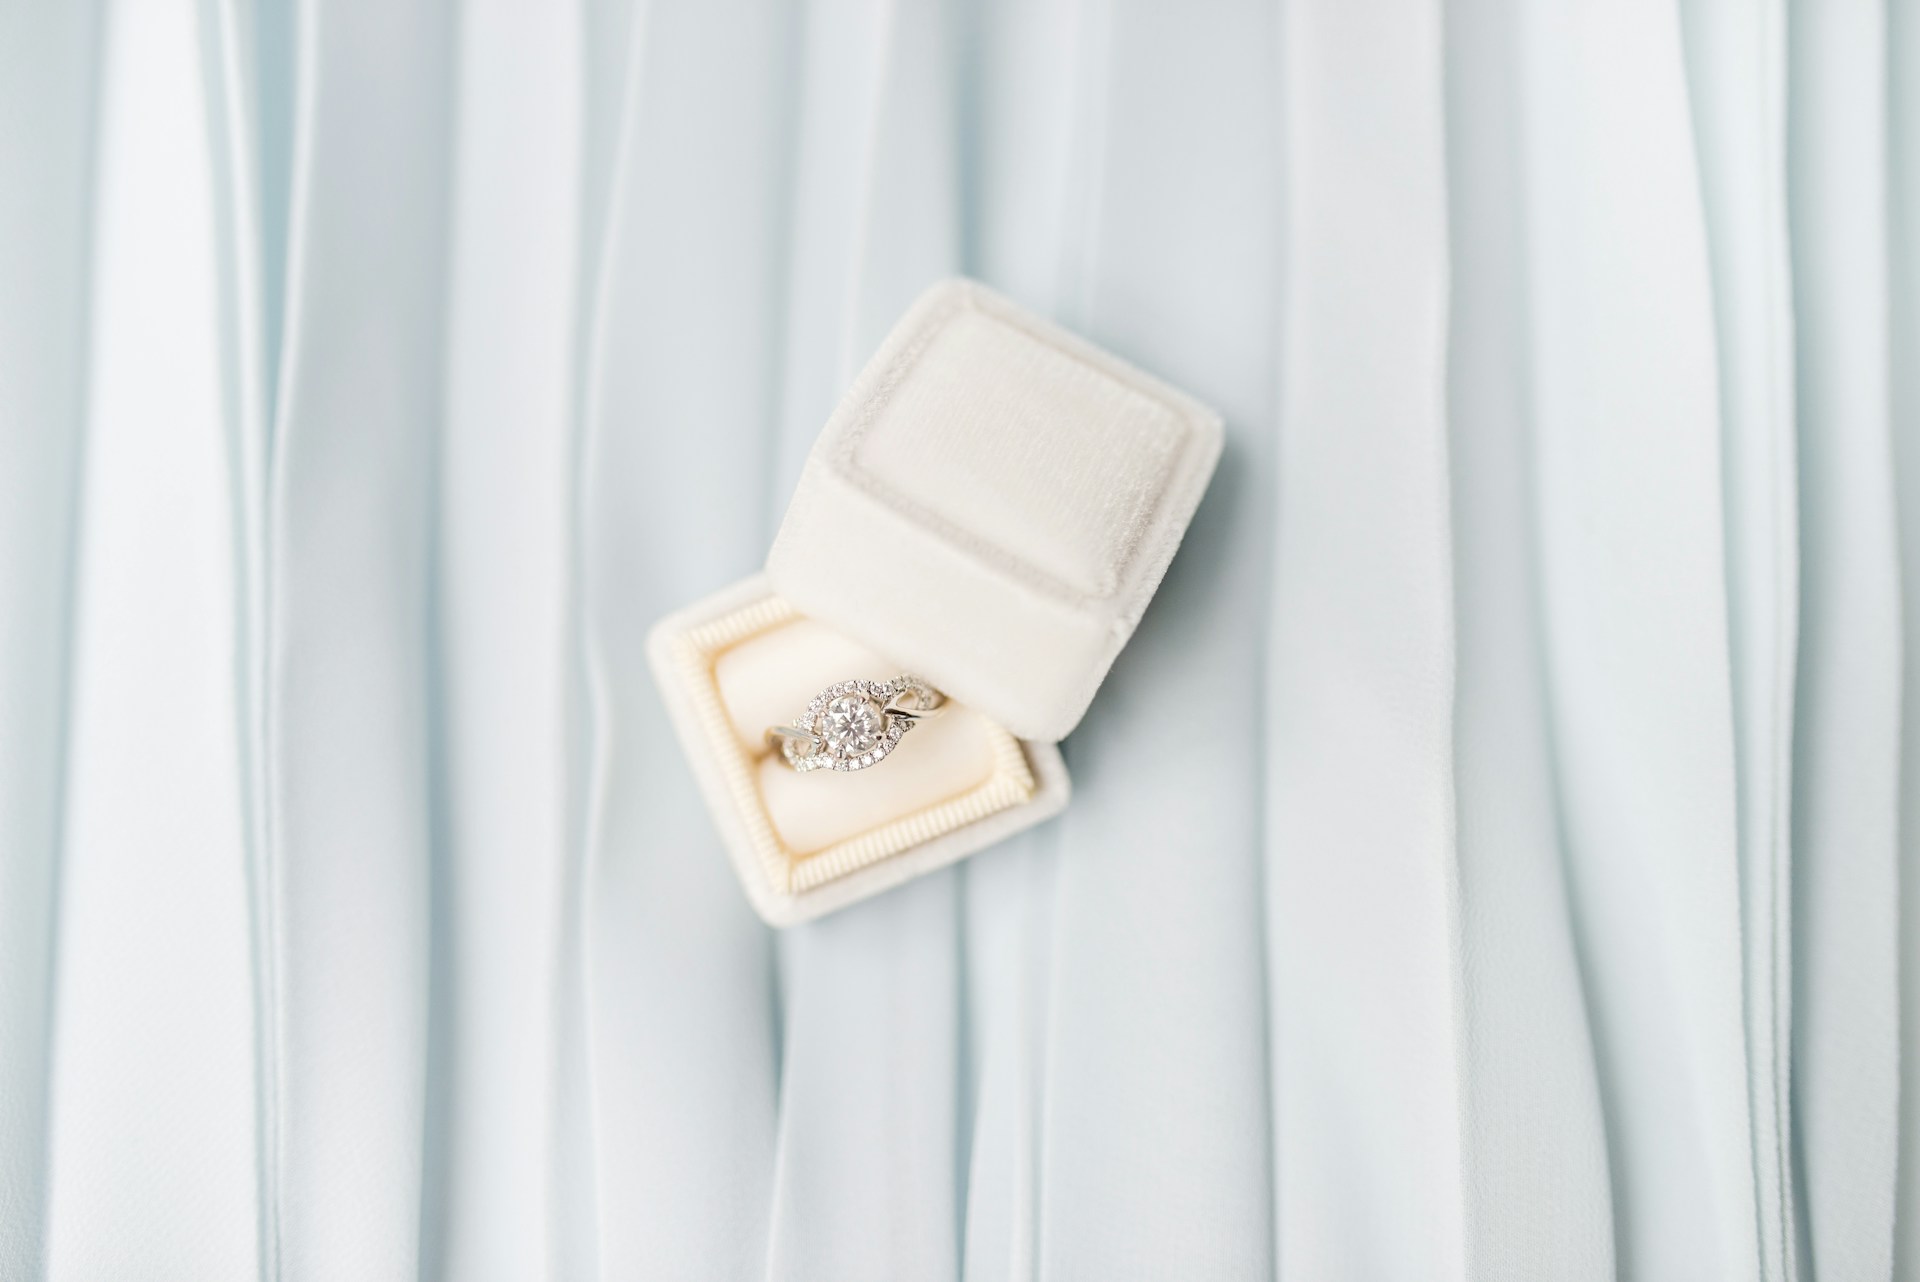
<point x="990" y="508"/>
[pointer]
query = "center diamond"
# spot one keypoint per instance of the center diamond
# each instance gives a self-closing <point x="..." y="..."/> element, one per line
<point x="851" y="725"/>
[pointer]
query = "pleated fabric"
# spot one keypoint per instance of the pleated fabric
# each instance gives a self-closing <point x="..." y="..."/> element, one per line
<point x="1738" y="89"/>
<point x="1847" y="751"/>
<point x="49" y="73"/>
<point x="152" y="1065"/>
<point x="1634" y="626"/>
<point x="1364" y="926"/>
<point x="1494" y="857"/>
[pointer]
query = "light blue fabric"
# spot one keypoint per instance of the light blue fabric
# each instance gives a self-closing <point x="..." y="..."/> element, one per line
<point x="1493" y="858"/>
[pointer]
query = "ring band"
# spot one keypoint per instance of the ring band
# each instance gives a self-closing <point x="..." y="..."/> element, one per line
<point x="855" y="724"/>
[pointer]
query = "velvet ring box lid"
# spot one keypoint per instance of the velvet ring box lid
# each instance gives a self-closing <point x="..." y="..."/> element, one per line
<point x="990" y="507"/>
<point x="993" y="504"/>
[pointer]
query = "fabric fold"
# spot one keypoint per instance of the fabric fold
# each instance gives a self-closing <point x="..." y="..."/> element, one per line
<point x="354" y="636"/>
<point x="1006" y="946"/>
<point x="49" y="73"/>
<point x="1847" y="746"/>
<point x="151" y="1120"/>
<point x="1363" y="880"/>
<point x="504" y="534"/>
<point x="607" y="92"/>
<point x="1635" y="629"/>
<point x="1534" y="1168"/>
<point x="1903" y="206"/>
<point x="231" y="80"/>
<point x="1736" y="61"/>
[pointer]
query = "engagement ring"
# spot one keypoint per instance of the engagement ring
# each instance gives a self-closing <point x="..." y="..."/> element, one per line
<point x="855" y="724"/>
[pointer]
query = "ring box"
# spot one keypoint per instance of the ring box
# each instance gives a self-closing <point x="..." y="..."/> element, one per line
<point x="990" y="508"/>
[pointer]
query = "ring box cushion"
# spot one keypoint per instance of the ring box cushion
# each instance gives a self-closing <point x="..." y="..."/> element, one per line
<point x="990" y="507"/>
<point x="993" y="504"/>
<point x="733" y="663"/>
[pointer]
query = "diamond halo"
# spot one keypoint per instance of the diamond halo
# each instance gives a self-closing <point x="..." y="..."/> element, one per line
<point x="852" y="725"/>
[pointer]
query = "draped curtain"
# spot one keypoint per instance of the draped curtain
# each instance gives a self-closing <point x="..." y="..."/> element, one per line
<point x="1493" y="858"/>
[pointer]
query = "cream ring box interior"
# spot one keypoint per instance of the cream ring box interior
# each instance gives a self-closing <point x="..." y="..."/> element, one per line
<point x="990" y="508"/>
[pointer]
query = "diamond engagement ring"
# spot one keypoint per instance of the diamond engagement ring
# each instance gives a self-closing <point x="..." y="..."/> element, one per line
<point x="855" y="724"/>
